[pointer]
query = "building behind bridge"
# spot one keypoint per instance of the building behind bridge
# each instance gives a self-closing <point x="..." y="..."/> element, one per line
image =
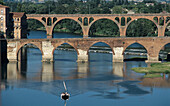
<point x="12" y="24"/>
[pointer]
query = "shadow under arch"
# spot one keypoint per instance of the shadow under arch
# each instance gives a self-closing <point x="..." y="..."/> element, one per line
<point x="29" y="45"/>
<point x="141" y="27"/>
<point x="135" y="51"/>
<point x="109" y="27"/>
<point x="34" y="24"/>
<point x="164" y="52"/>
<point x="66" y="49"/>
<point x="100" y="47"/>
<point x="73" y="26"/>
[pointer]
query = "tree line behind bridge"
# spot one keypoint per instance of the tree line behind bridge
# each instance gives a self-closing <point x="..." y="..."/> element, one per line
<point x="103" y="27"/>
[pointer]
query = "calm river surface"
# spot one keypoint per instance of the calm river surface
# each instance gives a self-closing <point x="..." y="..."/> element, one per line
<point x="97" y="83"/>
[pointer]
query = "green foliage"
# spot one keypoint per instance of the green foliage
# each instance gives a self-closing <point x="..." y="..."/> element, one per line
<point x="167" y="31"/>
<point x="34" y="24"/>
<point x="152" y="75"/>
<point x="155" y="68"/>
<point x="68" y="25"/>
<point x="118" y="10"/>
<point x="2" y="2"/>
<point x="142" y="28"/>
<point x="104" y="27"/>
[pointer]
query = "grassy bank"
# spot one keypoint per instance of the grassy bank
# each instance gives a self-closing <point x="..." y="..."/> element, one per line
<point x="154" y="69"/>
<point x="152" y="75"/>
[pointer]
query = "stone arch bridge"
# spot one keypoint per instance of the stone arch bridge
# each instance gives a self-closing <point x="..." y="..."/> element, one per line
<point x="49" y="21"/>
<point x="153" y="45"/>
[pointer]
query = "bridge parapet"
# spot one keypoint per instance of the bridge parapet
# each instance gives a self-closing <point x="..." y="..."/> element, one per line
<point x="92" y="15"/>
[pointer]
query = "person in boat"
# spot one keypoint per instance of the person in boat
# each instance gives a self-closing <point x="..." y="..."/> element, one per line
<point x="65" y="96"/>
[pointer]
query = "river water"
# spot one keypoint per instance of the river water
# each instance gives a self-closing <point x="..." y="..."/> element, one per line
<point x="97" y="83"/>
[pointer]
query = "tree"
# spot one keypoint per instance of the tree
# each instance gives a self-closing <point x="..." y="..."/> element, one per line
<point x="117" y="10"/>
<point x="2" y="2"/>
<point x="141" y="28"/>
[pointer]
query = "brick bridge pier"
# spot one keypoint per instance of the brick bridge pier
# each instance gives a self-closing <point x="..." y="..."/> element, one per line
<point x="153" y="45"/>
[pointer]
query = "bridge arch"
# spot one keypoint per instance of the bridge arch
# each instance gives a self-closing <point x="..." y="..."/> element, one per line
<point x="99" y="42"/>
<point x="110" y="19"/>
<point x="164" y="50"/>
<point x="61" y="19"/>
<point x="20" y="47"/>
<point x="66" y="55"/>
<point x="140" y="46"/>
<point x="135" y="42"/>
<point x="59" y="44"/>
<point x="138" y="19"/>
<point x="40" y="20"/>
<point x="38" y="45"/>
<point x="106" y="48"/>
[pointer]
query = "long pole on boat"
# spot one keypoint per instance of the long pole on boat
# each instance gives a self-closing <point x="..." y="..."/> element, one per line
<point x="64" y="86"/>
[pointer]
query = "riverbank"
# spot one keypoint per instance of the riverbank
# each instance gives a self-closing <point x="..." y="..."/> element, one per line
<point x="78" y="32"/>
<point x="62" y="31"/>
<point x="154" y="70"/>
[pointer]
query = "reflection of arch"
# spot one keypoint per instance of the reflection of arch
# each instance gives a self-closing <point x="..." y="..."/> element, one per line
<point x="128" y="24"/>
<point x="59" y="20"/>
<point x="35" y="44"/>
<point x="105" y="19"/>
<point x="100" y="42"/>
<point x="132" y="44"/>
<point x="57" y="45"/>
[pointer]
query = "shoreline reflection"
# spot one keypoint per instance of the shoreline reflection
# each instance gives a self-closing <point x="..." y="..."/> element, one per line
<point x="112" y="83"/>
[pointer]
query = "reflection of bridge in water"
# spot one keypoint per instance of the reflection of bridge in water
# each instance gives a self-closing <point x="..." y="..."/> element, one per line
<point x="18" y="71"/>
<point x="47" y="81"/>
<point x="50" y="81"/>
